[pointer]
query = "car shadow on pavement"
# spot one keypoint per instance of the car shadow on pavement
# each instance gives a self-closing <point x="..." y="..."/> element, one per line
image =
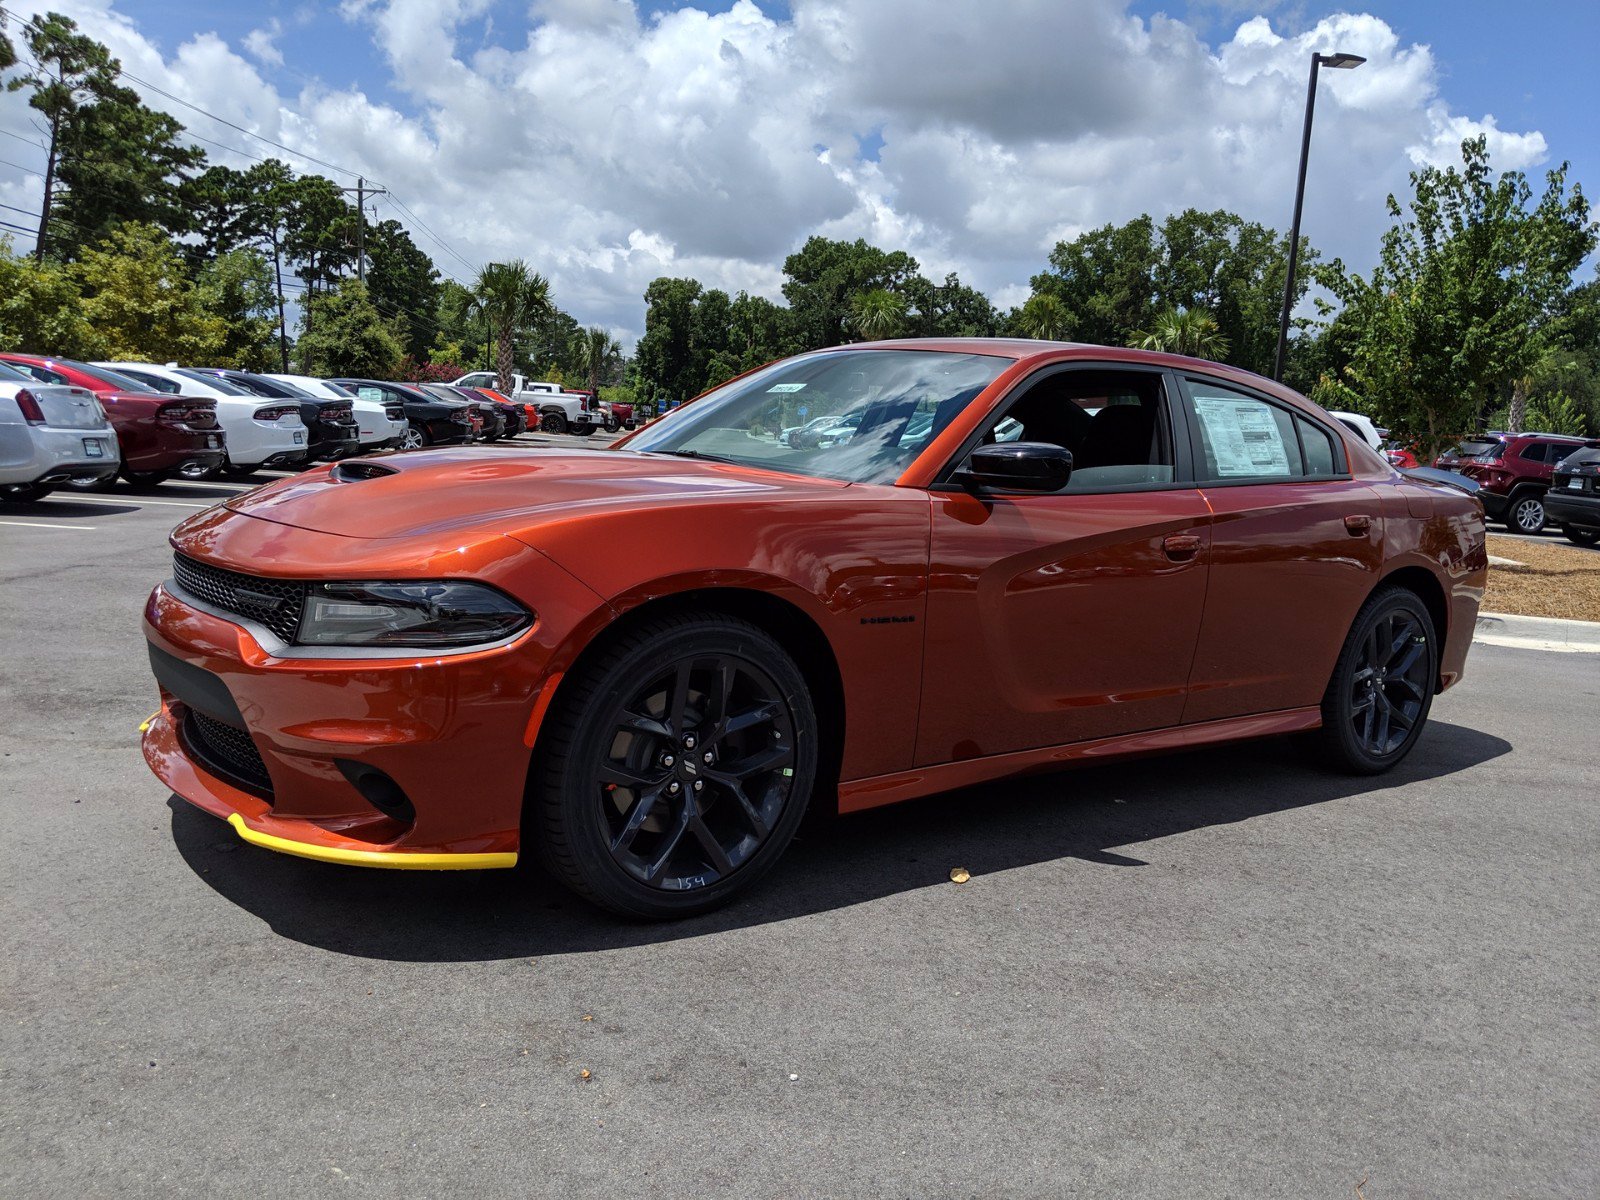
<point x="71" y="510"/>
<point x="1098" y="814"/>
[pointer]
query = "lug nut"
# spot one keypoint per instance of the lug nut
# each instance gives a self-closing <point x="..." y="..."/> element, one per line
<point x="709" y="756"/>
<point x="673" y="787"/>
<point x="667" y="760"/>
<point x="698" y="784"/>
<point x="688" y="742"/>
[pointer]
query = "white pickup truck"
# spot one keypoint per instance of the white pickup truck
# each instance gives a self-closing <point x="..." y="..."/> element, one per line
<point x="559" y="411"/>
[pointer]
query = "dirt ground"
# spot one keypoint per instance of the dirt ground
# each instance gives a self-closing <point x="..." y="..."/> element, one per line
<point x="1550" y="580"/>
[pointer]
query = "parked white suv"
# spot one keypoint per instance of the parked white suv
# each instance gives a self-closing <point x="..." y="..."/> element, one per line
<point x="382" y="425"/>
<point x="50" y="434"/>
<point x="261" y="432"/>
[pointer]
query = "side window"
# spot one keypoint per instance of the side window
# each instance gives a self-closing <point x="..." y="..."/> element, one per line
<point x="1114" y="423"/>
<point x="1532" y="452"/>
<point x="370" y="393"/>
<point x="151" y="381"/>
<point x="1320" y="454"/>
<point x="43" y="374"/>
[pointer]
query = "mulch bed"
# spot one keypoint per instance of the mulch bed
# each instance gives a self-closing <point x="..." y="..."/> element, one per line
<point x="1551" y="580"/>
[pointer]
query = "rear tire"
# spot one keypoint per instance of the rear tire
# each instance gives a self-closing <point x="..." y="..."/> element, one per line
<point x="675" y="768"/>
<point x="1525" y="513"/>
<point x="1581" y="537"/>
<point x="145" y="479"/>
<point x="582" y="430"/>
<point x="1382" y="686"/>
<point x="414" y="438"/>
<point x="25" y="493"/>
<point x="553" y="423"/>
<point x="235" y="470"/>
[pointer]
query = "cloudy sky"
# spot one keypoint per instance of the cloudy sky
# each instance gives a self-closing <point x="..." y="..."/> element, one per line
<point x="609" y="142"/>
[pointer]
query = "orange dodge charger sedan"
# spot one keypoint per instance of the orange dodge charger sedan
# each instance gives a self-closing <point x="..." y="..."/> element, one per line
<point x="987" y="558"/>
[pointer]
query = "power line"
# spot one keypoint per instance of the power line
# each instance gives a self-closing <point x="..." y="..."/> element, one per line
<point x="29" y="141"/>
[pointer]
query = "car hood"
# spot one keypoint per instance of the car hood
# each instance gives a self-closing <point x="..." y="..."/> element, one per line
<point x="434" y="492"/>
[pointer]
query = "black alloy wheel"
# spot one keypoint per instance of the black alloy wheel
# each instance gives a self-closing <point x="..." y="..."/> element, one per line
<point x="1526" y="513"/>
<point x="675" y="769"/>
<point x="1383" y="684"/>
<point x="1581" y="537"/>
<point x="553" y="423"/>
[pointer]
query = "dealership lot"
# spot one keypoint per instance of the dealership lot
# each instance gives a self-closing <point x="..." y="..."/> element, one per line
<point x="1223" y="973"/>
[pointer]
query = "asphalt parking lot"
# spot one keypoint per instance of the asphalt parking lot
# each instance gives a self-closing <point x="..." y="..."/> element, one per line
<point x="1223" y="973"/>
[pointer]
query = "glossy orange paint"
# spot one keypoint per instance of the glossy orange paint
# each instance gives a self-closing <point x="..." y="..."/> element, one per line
<point x="970" y="638"/>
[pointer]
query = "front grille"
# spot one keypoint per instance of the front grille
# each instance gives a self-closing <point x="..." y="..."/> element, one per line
<point x="275" y="603"/>
<point x="226" y="751"/>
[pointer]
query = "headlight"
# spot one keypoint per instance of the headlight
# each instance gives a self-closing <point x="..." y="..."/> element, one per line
<point x="427" y="614"/>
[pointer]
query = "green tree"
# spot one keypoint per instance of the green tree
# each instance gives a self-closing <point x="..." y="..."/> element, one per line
<point x="948" y="309"/>
<point x="320" y="237"/>
<point x="1044" y="317"/>
<point x="41" y="307"/>
<point x="403" y="280"/>
<point x="121" y="161"/>
<point x="512" y="297"/>
<point x="665" y="353"/>
<point x="1183" y="331"/>
<point x="1105" y="279"/>
<point x="758" y="330"/>
<point x="823" y="277"/>
<point x="1466" y="294"/>
<point x="598" y="353"/>
<point x="222" y="212"/>
<point x="876" y="314"/>
<point x="269" y="216"/>
<point x="70" y="70"/>
<point x="141" y="303"/>
<point x="238" y="287"/>
<point x="344" y="334"/>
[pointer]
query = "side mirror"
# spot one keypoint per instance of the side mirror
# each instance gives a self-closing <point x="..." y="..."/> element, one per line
<point x="1018" y="467"/>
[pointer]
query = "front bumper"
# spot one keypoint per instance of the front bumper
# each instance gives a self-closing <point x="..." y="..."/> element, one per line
<point x="449" y="732"/>
<point x="1572" y="508"/>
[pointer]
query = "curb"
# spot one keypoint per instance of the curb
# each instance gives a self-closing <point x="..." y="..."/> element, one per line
<point x="1538" y="633"/>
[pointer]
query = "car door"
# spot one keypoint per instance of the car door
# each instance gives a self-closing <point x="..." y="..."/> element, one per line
<point x="1070" y="616"/>
<point x="1296" y="546"/>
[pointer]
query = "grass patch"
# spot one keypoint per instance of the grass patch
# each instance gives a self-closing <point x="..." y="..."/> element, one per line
<point x="1550" y="580"/>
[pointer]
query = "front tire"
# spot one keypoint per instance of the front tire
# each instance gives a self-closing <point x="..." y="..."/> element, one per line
<point x="675" y="768"/>
<point x="1581" y="537"/>
<point x="1382" y="685"/>
<point x="1525" y="513"/>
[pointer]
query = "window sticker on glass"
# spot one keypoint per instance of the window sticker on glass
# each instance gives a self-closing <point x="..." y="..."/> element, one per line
<point x="787" y="387"/>
<point x="1244" y="436"/>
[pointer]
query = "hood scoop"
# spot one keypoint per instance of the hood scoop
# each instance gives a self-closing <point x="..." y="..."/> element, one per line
<point x="355" y="470"/>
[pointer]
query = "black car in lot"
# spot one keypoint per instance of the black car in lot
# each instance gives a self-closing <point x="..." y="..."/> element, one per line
<point x="495" y="423"/>
<point x="332" y="429"/>
<point x="1573" y="501"/>
<point x="434" y="421"/>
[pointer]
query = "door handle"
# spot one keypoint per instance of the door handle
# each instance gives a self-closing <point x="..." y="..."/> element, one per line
<point x="1181" y="547"/>
<point x="1357" y="526"/>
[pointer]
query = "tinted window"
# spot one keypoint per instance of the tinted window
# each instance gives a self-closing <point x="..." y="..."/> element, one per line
<point x="153" y="382"/>
<point x="42" y="374"/>
<point x="222" y="385"/>
<point x="1321" y="457"/>
<point x="121" y="382"/>
<point x="1533" y="452"/>
<point x="8" y="372"/>
<point x="1113" y="422"/>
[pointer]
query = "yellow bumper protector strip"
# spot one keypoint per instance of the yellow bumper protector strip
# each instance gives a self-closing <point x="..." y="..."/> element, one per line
<point x="149" y="721"/>
<point x="395" y="860"/>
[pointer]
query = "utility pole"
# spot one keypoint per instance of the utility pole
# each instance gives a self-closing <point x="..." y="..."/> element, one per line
<point x="362" y="191"/>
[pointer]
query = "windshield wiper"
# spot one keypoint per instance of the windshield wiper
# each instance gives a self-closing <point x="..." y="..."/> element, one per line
<point x="700" y="454"/>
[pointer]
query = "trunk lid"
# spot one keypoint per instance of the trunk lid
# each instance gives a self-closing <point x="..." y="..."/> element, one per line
<point x="67" y="407"/>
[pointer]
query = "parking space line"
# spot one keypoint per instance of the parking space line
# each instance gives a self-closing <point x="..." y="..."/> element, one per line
<point x="42" y="525"/>
<point x="134" y="500"/>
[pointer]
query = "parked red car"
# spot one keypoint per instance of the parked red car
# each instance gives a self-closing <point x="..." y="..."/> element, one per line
<point x="159" y="434"/>
<point x="645" y="663"/>
<point x="1513" y="471"/>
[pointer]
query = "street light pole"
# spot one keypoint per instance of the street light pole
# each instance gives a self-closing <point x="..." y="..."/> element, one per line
<point x="1343" y="62"/>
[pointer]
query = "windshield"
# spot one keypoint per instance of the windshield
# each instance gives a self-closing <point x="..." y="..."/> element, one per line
<point x="856" y="415"/>
<point x="1480" y="448"/>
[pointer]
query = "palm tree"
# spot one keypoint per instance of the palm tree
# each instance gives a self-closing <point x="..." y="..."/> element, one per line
<point x="596" y="350"/>
<point x="511" y="297"/>
<point x="1190" y="331"/>
<point x="1550" y="363"/>
<point x="879" y="313"/>
<point x="1044" y="317"/>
